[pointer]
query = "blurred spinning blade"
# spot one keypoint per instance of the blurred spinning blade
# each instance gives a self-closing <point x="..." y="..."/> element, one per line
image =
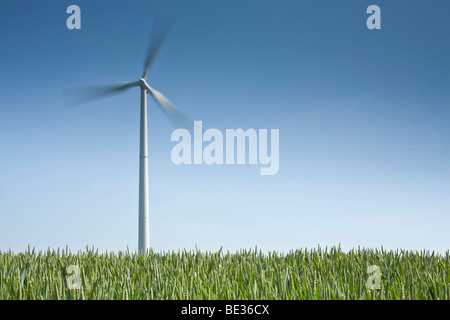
<point x="76" y="96"/>
<point x="178" y="118"/>
<point x="161" y="27"/>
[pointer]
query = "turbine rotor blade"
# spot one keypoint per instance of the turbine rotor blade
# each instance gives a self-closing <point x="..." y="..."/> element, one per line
<point x="76" y="96"/>
<point x="161" y="28"/>
<point x="178" y="118"/>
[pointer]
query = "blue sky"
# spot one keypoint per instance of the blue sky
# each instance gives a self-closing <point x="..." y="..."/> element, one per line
<point x="364" y="120"/>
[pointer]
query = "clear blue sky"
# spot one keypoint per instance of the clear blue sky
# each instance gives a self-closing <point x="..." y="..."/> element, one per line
<point x="364" y="120"/>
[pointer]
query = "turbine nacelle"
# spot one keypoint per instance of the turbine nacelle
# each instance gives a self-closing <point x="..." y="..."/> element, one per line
<point x="142" y="83"/>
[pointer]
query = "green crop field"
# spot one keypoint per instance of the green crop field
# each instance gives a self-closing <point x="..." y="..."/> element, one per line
<point x="248" y="274"/>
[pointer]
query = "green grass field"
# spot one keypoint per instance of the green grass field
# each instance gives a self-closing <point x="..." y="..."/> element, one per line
<point x="247" y="274"/>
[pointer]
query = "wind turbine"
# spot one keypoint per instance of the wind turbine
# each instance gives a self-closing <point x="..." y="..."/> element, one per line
<point x="76" y="96"/>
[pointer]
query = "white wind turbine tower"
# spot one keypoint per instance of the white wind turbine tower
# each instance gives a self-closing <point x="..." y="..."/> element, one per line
<point x="77" y="96"/>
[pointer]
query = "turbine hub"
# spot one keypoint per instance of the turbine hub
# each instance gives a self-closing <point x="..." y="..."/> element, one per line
<point x="142" y="83"/>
